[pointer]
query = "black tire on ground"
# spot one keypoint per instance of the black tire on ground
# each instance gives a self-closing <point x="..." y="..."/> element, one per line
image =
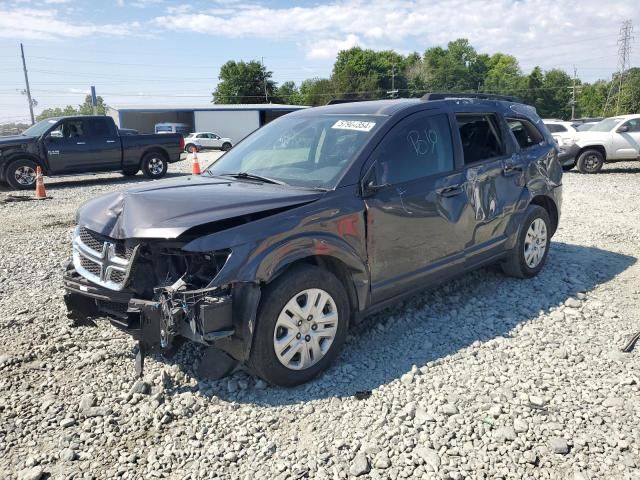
<point x="21" y="174"/>
<point x="516" y="264"/>
<point x="590" y="161"/>
<point x="566" y="168"/>
<point x="190" y="148"/>
<point x="226" y="146"/>
<point x="154" y="165"/>
<point x="130" y="172"/>
<point x="263" y="360"/>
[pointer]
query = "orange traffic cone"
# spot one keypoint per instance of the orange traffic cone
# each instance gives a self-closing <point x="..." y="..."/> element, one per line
<point x="195" y="164"/>
<point x="41" y="194"/>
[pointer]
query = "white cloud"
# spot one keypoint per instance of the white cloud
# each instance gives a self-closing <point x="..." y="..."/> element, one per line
<point x="45" y="24"/>
<point x="329" y="48"/>
<point x="520" y="27"/>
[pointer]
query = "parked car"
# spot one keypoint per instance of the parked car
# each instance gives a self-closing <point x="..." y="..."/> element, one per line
<point x="615" y="138"/>
<point x="583" y="127"/>
<point x="201" y="140"/>
<point x="564" y="134"/>
<point x="83" y="144"/>
<point x="165" y="128"/>
<point x="315" y="220"/>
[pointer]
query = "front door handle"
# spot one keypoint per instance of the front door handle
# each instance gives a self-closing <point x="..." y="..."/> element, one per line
<point x="451" y="191"/>
<point x="111" y="141"/>
<point x="81" y="143"/>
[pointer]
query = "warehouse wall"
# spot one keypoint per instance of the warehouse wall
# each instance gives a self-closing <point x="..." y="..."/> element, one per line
<point x="228" y="123"/>
<point x="145" y="122"/>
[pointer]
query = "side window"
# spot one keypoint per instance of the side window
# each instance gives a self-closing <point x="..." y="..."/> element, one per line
<point x="415" y="148"/>
<point x="525" y="133"/>
<point x="202" y="135"/>
<point x="555" y="128"/>
<point x="100" y="128"/>
<point x="634" y="125"/>
<point x="480" y="137"/>
<point x="73" y="129"/>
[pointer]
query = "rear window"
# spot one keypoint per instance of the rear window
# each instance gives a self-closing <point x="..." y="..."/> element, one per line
<point x="164" y="129"/>
<point x="525" y="132"/>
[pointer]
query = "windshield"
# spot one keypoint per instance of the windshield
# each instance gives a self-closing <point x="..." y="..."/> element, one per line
<point x="606" y="125"/>
<point x="300" y="151"/>
<point x="39" y="128"/>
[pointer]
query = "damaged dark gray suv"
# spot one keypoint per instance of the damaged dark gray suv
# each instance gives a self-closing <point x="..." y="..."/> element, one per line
<point x="316" y="220"/>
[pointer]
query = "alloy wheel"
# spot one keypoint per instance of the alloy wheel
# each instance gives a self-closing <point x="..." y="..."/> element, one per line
<point x="25" y="175"/>
<point x="156" y="166"/>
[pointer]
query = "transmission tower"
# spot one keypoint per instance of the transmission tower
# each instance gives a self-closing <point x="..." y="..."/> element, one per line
<point x="624" y="54"/>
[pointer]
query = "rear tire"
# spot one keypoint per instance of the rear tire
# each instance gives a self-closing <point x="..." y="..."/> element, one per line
<point x="590" y="161"/>
<point x="530" y="252"/>
<point x="287" y="349"/>
<point x="21" y="174"/>
<point x="226" y="146"/>
<point x="154" y="165"/>
<point x="190" y="148"/>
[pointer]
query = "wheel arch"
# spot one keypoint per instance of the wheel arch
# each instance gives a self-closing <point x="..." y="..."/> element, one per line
<point x="599" y="148"/>
<point x="7" y="160"/>
<point x="157" y="150"/>
<point x="550" y="206"/>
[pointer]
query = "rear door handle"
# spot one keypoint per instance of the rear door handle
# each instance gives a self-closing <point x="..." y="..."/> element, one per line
<point x="111" y="141"/>
<point x="451" y="191"/>
<point x="81" y="143"/>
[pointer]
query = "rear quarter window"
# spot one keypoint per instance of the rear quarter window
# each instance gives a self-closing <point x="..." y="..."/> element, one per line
<point x="525" y="133"/>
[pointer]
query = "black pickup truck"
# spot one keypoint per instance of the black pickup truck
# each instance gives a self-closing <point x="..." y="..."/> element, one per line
<point x="83" y="144"/>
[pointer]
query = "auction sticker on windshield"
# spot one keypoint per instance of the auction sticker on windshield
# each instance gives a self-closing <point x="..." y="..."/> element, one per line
<point x="354" y="125"/>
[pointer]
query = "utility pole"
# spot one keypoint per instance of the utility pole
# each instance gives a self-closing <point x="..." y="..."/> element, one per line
<point x="393" y="92"/>
<point x="624" y="53"/>
<point x="264" y="81"/>
<point x="573" y="95"/>
<point x="26" y="81"/>
<point x="94" y="100"/>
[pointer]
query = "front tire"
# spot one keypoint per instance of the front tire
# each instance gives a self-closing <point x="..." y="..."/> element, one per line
<point x="154" y="165"/>
<point x="21" y="174"/>
<point x="590" y="161"/>
<point x="530" y="252"/>
<point x="302" y="324"/>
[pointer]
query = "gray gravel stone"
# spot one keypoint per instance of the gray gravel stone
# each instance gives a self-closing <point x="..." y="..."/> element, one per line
<point x="68" y="455"/>
<point x="359" y="465"/>
<point x="430" y="456"/>
<point x="33" y="473"/>
<point x="559" y="445"/>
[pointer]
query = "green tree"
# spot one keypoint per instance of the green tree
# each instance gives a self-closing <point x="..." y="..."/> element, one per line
<point x="556" y="95"/>
<point x="69" y="110"/>
<point x="317" y="91"/>
<point x="369" y="74"/>
<point x="504" y="75"/>
<point x="289" y="93"/>
<point x="244" y="82"/>
<point x="591" y="98"/>
<point x="85" y="108"/>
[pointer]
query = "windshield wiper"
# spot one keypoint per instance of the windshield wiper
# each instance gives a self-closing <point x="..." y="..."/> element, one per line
<point x="251" y="176"/>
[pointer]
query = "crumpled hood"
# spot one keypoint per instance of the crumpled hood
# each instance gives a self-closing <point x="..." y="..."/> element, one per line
<point x="15" y="140"/>
<point x="166" y="209"/>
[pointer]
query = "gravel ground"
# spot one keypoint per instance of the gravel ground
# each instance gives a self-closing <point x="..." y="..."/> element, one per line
<point x="483" y="377"/>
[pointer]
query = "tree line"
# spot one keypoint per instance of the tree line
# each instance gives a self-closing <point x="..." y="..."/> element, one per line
<point x="368" y="74"/>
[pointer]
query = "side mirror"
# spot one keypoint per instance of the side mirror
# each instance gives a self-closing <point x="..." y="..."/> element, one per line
<point x="623" y="129"/>
<point x="370" y="187"/>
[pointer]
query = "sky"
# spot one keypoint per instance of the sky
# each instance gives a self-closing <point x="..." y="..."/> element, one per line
<point x="163" y="52"/>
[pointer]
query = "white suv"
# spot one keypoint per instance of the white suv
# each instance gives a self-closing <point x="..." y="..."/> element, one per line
<point x="201" y="140"/>
<point x="564" y="135"/>
<point x="615" y="138"/>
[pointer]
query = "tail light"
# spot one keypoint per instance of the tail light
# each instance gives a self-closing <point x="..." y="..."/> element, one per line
<point x="181" y="142"/>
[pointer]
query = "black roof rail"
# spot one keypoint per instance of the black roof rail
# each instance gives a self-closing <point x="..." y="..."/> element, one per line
<point x="479" y="96"/>
<point x="338" y="101"/>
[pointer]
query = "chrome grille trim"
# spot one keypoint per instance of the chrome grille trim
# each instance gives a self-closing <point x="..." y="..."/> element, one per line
<point x="101" y="262"/>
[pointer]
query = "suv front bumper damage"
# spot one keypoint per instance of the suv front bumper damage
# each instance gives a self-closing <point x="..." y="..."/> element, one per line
<point x="203" y="316"/>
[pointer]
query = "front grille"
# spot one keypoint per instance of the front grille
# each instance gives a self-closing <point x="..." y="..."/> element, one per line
<point x="100" y="259"/>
